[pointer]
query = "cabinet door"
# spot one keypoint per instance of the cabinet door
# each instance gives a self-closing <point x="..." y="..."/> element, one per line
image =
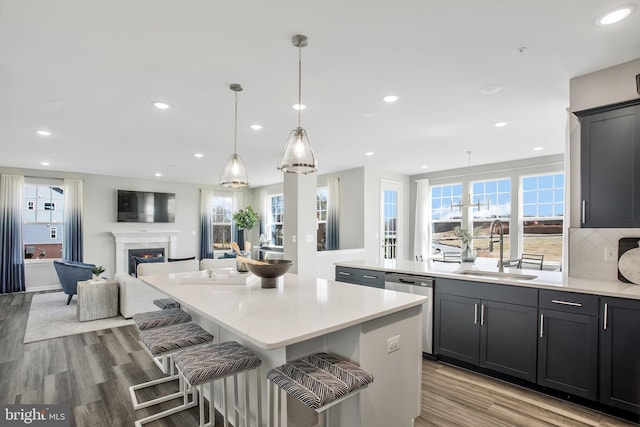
<point x="508" y="339"/>
<point x="457" y="326"/>
<point x="568" y="352"/>
<point x="607" y="167"/>
<point x="620" y="353"/>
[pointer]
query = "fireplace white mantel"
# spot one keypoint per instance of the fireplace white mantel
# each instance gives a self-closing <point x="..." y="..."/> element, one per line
<point x="142" y="240"/>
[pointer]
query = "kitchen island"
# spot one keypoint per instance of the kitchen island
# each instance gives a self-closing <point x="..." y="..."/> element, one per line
<point x="306" y="315"/>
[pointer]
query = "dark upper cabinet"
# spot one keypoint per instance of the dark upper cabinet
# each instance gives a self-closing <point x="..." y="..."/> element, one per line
<point x="620" y="353"/>
<point x="360" y="276"/>
<point x="489" y="325"/>
<point x="568" y="342"/>
<point x="610" y="167"/>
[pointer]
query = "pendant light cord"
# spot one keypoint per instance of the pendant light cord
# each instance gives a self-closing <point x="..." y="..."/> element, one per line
<point x="299" y="84"/>
<point x="235" y="132"/>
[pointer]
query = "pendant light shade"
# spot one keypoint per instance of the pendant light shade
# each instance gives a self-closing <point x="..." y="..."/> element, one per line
<point x="234" y="174"/>
<point x="298" y="156"/>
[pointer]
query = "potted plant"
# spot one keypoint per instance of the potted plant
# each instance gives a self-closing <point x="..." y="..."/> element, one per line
<point x="245" y="219"/>
<point x="467" y="253"/>
<point x="97" y="271"/>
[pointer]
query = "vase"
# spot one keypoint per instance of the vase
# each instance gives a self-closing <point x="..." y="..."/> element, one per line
<point x="241" y="239"/>
<point x="468" y="254"/>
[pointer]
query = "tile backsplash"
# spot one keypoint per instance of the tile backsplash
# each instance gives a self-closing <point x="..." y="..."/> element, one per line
<point x="587" y="251"/>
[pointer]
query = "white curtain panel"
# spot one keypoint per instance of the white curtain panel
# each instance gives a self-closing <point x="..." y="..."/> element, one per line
<point x="333" y="214"/>
<point x="11" y="250"/>
<point x="73" y="207"/>
<point x="422" y="236"/>
<point x="206" y="223"/>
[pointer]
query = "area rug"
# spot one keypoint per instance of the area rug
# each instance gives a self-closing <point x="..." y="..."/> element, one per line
<point x="50" y="317"/>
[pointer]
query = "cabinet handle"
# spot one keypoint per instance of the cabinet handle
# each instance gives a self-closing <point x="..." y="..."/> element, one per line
<point x="344" y="273"/>
<point x="369" y="277"/>
<point x="541" y="325"/>
<point x="475" y="314"/>
<point x="482" y="315"/>
<point x="606" y="314"/>
<point x="584" y="211"/>
<point x="574" y="304"/>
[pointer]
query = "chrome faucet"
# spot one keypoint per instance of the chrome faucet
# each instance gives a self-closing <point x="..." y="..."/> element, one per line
<point x="491" y="242"/>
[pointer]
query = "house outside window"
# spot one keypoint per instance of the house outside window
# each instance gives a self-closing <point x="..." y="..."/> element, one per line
<point x="43" y="217"/>
<point x="321" y="214"/>
<point x="494" y="197"/>
<point x="542" y="215"/>
<point x="275" y="207"/>
<point x="444" y="218"/>
<point x="222" y="214"/>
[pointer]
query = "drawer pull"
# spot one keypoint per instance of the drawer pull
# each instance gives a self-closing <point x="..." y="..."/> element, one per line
<point x="475" y="314"/>
<point x="369" y="277"/>
<point x="606" y="315"/>
<point x="482" y="315"/>
<point x="344" y="273"/>
<point x="573" y="304"/>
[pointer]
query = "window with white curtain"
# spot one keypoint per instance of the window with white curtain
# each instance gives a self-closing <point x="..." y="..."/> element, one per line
<point x="222" y="221"/>
<point x="445" y="218"/>
<point x="275" y="218"/>
<point x="42" y="218"/>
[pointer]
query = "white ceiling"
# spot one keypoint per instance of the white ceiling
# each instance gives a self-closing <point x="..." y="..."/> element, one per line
<point x="88" y="70"/>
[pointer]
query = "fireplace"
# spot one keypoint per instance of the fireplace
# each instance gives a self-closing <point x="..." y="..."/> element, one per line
<point x="142" y="253"/>
<point x="147" y="240"/>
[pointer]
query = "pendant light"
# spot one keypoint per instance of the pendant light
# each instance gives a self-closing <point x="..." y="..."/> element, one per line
<point x="468" y="204"/>
<point x="297" y="156"/>
<point x="234" y="175"/>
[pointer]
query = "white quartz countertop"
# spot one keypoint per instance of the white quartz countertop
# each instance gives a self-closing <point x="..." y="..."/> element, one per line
<point x="544" y="279"/>
<point x="296" y="310"/>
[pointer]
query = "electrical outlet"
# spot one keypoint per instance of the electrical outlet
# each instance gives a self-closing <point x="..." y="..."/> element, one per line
<point x="393" y="344"/>
<point x="610" y="253"/>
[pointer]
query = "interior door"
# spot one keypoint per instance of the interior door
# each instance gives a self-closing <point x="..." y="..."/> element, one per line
<point x="390" y="220"/>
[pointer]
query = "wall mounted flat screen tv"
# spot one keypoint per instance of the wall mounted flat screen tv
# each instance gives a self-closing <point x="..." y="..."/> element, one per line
<point x="146" y="206"/>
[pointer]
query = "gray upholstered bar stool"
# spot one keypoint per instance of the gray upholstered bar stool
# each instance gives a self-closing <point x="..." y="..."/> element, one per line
<point x="161" y="343"/>
<point x="205" y="364"/>
<point x="320" y="381"/>
<point x="166" y="303"/>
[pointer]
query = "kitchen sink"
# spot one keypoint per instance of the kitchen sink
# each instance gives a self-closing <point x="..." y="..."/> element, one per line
<point x="496" y="274"/>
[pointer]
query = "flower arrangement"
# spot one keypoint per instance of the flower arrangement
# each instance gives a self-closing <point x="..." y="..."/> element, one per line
<point x="246" y="218"/>
<point x="464" y="235"/>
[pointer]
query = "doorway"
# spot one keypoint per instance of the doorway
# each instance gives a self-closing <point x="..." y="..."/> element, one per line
<point x="390" y="224"/>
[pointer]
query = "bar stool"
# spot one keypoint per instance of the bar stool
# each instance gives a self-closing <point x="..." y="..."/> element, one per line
<point x="166" y="303"/>
<point x="161" y="343"/>
<point x="320" y="381"/>
<point x="208" y="363"/>
<point x="159" y="318"/>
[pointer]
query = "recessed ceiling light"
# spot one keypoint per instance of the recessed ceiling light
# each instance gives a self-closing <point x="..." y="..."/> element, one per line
<point x="369" y="153"/>
<point x="538" y="148"/>
<point x="161" y="105"/>
<point x="615" y="15"/>
<point x="198" y="155"/>
<point x="45" y="163"/>
<point x="500" y="124"/>
<point x="491" y="89"/>
<point x="521" y="50"/>
<point x="256" y="127"/>
<point x="43" y="132"/>
<point x="390" y="98"/>
<point x="298" y="106"/>
<point x="424" y="166"/>
<point x="158" y="174"/>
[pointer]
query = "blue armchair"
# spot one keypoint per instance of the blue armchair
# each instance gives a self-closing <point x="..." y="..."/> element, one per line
<point x="70" y="273"/>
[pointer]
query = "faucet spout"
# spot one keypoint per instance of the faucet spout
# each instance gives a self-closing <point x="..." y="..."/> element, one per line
<point x="495" y="223"/>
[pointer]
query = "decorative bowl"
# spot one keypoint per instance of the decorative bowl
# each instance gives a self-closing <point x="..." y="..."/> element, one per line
<point x="270" y="272"/>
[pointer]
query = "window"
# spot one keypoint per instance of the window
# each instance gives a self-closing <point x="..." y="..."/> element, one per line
<point x="42" y="219"/>
<point x="390" y="218"/>
<point x="321" y="213"/>
<point x="494" y="197"/>
<point x="275" y="207"/>
<point x="222" y="214"/>
<point x="444" y="218"/>
<point x="542" y="215"/>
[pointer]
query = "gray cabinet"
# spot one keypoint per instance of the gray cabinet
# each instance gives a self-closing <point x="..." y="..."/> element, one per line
<point x="620" y="353"/>
<point x="568" y="342"/>
<point x="489" y="325"/>
<point x="610" y="167"/>
<point x="360" y="276"/>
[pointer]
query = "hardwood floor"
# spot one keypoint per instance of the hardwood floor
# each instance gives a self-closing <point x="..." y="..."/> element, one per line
<point x="91" y="372"/>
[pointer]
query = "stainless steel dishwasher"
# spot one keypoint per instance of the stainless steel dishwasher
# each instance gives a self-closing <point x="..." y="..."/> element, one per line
<point x="419" y="285"/>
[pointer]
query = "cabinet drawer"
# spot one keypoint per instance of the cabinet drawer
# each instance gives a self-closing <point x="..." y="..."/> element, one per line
<point x="569" y="302"/>
<point x="360" y="276"/>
